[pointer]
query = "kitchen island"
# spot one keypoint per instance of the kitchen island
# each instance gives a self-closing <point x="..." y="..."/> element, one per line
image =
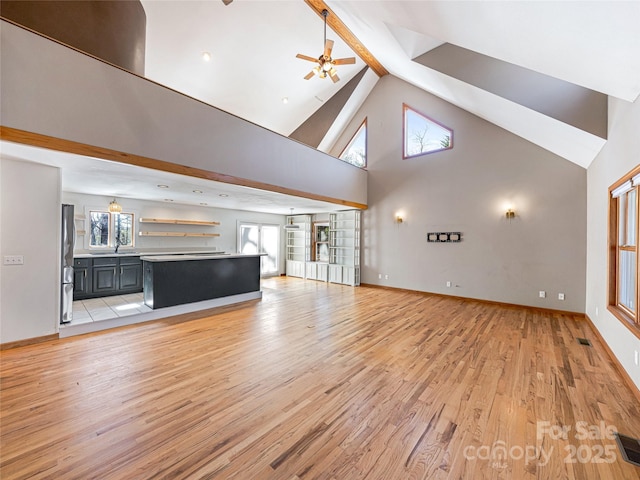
<point x="170" y="280"/>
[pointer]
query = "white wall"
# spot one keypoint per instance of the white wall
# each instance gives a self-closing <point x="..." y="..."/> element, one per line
<point x="30" y="226"/>
<point x="227" y="241"/>
<point x="466" y="189"/>
<point x="619" y="156"/>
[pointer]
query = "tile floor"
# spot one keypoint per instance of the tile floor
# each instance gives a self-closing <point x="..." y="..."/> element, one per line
<point x="96" y="309"/>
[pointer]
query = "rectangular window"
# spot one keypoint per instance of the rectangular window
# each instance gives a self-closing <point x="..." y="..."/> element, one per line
<point x="623" y="250"/>
<point x="111" y="229"/>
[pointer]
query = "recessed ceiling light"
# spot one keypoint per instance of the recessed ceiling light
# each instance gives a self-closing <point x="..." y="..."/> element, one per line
<point x="206" y="56"/>
<point x="223" y="195"/>
<point x="168" y="200"/>
<point x="285" y="100"/>
<point x="197" y="191"/>
<point x="163" y="186"/>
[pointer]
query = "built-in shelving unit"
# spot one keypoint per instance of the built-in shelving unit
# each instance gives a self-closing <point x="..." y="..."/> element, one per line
<point x="298" y="245"/>
<point x="344" y="247"/>
<point x="79" y="220"/>
<point x="175" y="221"/>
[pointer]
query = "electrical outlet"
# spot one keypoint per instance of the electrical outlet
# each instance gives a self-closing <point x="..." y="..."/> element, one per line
<point x="386" y="277"/>
<point x="561" y="296"/>
<point x="636" y="358"/>
<point x="542" y="294"/>
<point x="13" y="260"/>
<point x="380" y="276"/>
<point x="448" y="284"/>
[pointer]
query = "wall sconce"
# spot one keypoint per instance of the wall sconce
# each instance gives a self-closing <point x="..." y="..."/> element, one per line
<point x="399" y="218"/>
<point x="510" y="214"/>
<point x="114" y="207"/>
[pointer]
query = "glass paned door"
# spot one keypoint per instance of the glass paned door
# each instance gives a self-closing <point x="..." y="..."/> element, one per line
<point x="269" y="244"/>
<point x="261" y="238"/>
<point x="249" y="236"/>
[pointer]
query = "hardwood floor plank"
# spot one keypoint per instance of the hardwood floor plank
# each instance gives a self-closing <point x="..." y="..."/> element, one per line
<point x="320" y="381"/>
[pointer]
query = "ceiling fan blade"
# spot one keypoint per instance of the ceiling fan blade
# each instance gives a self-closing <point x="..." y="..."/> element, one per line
<point x="310" y="75"/>
<point x="328" y="46"/>
<point x="344" y="61"/>
<point x="306" y="57"/>
<point x="334" y="75"/>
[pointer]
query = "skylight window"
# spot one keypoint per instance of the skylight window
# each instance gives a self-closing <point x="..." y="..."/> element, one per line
<point x="355" y="152"/>
<point x="423" y="135"/>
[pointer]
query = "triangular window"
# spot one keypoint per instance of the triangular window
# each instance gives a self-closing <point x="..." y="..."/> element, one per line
<point x="355" y="152"/>
<point x="423" y="135"/>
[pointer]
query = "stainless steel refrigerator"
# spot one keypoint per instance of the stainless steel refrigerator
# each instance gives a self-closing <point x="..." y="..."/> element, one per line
<point x="66" y="291"/>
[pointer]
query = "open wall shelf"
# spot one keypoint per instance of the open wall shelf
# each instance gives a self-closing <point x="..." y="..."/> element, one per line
<point x="177" y="234"/>
<point x="173" y="221"/>
<point x="176" y="221"/>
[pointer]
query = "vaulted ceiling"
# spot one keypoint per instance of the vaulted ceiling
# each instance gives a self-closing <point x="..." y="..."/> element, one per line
<point x="575" y="52"/>
<point x="541" y="70"/>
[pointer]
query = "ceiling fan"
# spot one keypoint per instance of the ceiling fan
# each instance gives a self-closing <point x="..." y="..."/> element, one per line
<point x="326" y="64"/>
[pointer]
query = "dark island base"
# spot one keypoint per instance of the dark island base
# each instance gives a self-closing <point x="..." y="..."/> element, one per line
<point x="171" y="283"/>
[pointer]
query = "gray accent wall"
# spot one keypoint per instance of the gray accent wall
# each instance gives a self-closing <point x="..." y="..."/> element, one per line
<point x="51" y="90"/>
<point x="467" y="189"/>
<point x="313" y="129"/>
<point x="572" y="104"/>
<point x="114" y="31"/>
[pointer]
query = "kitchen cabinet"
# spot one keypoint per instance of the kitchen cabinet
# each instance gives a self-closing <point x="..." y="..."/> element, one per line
<point x="105" y="276"/>
<point x="171" y="280"/>
<point x="130" y="275"/>
<point x="81" y="278"/>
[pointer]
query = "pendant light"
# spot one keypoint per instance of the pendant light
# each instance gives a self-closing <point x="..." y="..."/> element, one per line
<point x="291" y="225"/>
<point x="114" y="207"/>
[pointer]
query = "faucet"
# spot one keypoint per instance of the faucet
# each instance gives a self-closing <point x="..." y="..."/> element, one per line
<point x="117" y="246"/>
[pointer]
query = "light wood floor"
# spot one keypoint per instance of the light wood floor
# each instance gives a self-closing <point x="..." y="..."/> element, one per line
<point x="320" y="381"/>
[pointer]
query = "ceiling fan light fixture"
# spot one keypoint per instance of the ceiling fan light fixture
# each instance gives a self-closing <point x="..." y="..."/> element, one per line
<point x="324" y="61"/>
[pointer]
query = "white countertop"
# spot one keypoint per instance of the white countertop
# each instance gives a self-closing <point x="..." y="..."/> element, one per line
<point x="199" y="256"/>
<point x="136" y="253"/>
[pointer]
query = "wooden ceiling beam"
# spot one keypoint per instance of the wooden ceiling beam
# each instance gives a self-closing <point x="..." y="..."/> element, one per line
<point x="345" y="34"/>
